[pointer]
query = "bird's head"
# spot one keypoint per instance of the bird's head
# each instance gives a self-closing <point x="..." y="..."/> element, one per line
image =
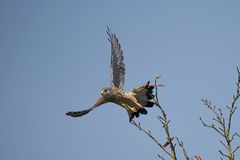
<point x="106" y="92"/>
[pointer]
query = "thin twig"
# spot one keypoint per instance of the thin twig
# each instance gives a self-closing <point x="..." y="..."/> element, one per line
<point x="236" y="149"/>
<point x="183" y="149"/>
<point x="160" y="157"/>
<point x="164" y="120"/>
<point x="223" y="144"/>
<point x="150" y="136"/>
<point x="223" y="128"/>
<point x="212" y="126"/>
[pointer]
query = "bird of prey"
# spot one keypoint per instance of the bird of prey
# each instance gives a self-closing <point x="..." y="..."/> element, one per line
<point x="134" y="101"/>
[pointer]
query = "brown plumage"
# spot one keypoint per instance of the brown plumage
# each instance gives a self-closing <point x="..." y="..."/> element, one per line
<point x="134" y="101"/>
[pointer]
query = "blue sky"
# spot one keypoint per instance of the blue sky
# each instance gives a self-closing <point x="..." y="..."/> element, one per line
<point x="54" y="57"/>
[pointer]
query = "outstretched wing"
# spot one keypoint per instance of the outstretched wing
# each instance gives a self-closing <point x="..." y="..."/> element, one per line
<point x="81" y="113"/>
<point x="117" y="66"/>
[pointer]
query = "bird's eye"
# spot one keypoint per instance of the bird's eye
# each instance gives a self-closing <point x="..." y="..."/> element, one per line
<point x="104" y="91"/>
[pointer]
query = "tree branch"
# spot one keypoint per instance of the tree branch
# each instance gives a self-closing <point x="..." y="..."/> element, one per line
<point x="151" y="137"/>
<point x="165" y="122"/>
<point x="225" y="129"/>
<point x="183" y="149"/>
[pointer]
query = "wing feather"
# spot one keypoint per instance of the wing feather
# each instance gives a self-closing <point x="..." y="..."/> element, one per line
<point x="117" y="67"/>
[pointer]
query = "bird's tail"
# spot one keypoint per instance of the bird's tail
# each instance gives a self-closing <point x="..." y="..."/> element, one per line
<point x="144" y="95"/>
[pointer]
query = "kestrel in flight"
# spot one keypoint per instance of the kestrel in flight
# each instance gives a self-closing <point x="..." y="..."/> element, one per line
<point x="134" y="101"/>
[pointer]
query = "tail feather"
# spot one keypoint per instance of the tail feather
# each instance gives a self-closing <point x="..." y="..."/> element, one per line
<point x="136" y="114"/>
<point x="142" y="111"/>
<point x="144" y="95"/>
